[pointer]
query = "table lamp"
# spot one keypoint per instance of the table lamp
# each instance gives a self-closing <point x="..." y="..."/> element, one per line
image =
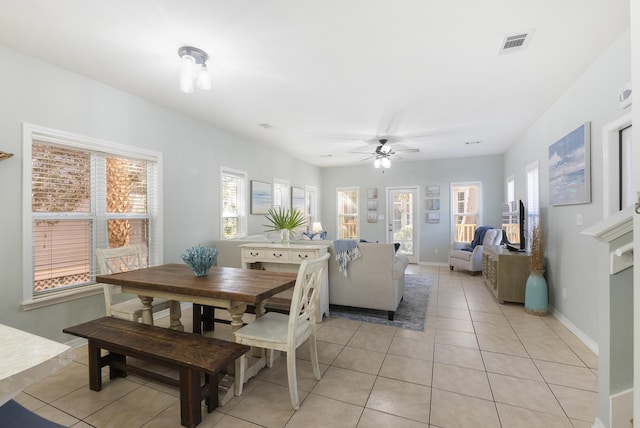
<point x="317" y="227"/>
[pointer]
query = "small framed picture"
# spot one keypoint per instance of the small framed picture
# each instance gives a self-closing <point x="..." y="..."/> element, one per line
<point x="372" y="193"/>
<point x="372" y="217"/>
<point x="260" y="197"/>
<point x="433" y="191"/>
<point x="433" y="217"/>
<point x="433" y="204"/>
<point x="372" y="205"/>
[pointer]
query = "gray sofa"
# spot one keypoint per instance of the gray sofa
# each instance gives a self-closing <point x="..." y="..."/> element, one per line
<point x="374" y="281"/>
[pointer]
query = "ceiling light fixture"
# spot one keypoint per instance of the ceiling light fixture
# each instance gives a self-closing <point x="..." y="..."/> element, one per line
<point x="194" y="69"/>
<point x="382" y="162"/>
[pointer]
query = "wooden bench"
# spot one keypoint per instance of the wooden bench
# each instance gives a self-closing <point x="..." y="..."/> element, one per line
<point x="193" y="355"/>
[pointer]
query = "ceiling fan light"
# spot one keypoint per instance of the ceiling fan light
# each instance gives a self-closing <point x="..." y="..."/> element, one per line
<point x="385" y="149"/>
<point x="385" y="163"/>
<point x="376" y="163"/>
<point x="187" y="73"/>
<point x="204" y="80"/>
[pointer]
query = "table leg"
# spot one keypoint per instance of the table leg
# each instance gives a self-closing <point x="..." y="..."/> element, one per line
<point x="175" y="312"/>
<point x="236" y="315"/>
<point x="260" y="310"/>
<point x="147" y="312"/>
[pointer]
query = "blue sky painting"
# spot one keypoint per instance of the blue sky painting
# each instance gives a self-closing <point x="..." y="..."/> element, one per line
<point x="569" y="168"/>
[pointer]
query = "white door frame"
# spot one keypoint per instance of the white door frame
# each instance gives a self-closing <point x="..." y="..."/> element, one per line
<point x="416" y="219"/>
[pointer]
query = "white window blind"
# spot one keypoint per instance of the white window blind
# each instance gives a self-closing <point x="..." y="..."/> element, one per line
<point x="233" y="195"/>
<point x="533" y="198"/>
<point x="82" y="198"/>
<point x="348" y="200"/>
<point x="466" y="210"/>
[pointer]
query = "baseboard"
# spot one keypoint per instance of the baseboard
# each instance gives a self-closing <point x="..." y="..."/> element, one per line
<point x="621" y="409"/>
<point x="589" y="343"/>
<point x="440" y="264"/>
<point x="598" y="424"/>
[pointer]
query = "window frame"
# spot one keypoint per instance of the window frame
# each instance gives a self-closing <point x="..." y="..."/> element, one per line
<point x="454" y="210"/>
<point x="339" y="216"/>
<point x="285" y="193"/>
<point x="100" y="148"/>
<point x="242" y="201"/>
<point x="310" y="206"/>
<point x="533" y="209"/>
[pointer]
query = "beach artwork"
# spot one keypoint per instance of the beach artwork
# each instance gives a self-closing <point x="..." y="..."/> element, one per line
<point x="569" y="173"/>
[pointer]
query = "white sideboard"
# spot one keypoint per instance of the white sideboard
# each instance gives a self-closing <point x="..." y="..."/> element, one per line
<point x="286" y="258"/>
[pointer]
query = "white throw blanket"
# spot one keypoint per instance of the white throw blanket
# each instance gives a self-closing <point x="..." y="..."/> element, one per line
<point x="346" y="250"/>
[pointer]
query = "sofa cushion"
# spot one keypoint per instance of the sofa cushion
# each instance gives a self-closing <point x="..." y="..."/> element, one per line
<point x="399" y="266"/>
<point x="461" y="254"/>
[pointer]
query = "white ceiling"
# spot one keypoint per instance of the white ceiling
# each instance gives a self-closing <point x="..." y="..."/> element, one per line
<point x="330" y="75"/>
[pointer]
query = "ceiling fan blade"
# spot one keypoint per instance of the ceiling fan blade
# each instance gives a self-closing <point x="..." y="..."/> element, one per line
<point x="407" y="150"/>
<point x="367" y="158"/>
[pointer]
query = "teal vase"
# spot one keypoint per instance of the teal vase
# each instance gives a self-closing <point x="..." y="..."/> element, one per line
<point x="536" y="295"/>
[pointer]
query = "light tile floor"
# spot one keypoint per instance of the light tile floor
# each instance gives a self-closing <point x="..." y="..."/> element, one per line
<point x="476" y="364"/>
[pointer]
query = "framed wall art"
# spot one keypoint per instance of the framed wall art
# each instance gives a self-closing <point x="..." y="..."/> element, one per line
<point x="570" y="168"/>
<point x="433" y="191"/>
<point x="260" y="197"/>
<point x="433" y="204"/>
<point x="297" y="199"/>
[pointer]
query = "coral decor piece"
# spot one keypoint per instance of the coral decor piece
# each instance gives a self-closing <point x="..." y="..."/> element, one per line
<point x="200" y="259"/>
<point x="537" y="249"/>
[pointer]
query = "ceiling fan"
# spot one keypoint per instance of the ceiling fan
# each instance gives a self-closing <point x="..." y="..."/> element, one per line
<point x="383" y="152"/>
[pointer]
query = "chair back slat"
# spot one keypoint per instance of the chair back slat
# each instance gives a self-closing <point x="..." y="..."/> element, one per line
<point x="114" y="260"/>
<point x="306" y="294"/>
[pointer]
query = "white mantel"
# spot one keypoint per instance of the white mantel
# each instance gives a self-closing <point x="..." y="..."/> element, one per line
<point x="612" y="227"/>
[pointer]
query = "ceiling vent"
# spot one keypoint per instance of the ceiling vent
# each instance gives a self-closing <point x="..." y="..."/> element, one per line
<point x="516" y="41"/>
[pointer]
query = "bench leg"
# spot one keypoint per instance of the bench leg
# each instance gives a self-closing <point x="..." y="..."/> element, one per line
<point x="117" y="372"/>
<point x="95" y="367"/>
<point x="190" y="398"/>
<point x="211" y="383"/>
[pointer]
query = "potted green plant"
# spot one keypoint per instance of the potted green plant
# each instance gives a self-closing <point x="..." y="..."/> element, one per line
<point x="284" y="220"/>
<point x="536" y="300"/>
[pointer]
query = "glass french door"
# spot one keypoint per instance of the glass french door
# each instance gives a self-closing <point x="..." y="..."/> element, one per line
<point x="403" y="221"/>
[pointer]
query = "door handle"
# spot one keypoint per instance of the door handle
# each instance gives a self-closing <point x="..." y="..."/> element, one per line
<point x="638" y="204"/>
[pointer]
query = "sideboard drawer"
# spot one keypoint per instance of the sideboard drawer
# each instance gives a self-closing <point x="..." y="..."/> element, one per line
<point x="302" y="255"/>
<point x="277" y="254"/>
<point x="256" y="254"/>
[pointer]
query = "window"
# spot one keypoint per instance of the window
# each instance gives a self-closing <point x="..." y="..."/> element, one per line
<point x="533" y="197"/>
<point x="84" y="194"/>
<point x="466" y="210"/>
<point x="233" y="194"/>
<point x="310" y="202"/>
<point x="348" y="213"/>
<point x="617" y="177"/>
<point x="626" y="172"/>
<point x="511" y="191"/>
<point x="281" y="193"/>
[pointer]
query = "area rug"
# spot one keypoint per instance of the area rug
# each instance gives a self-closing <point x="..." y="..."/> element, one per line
<point x="411" y="313"/>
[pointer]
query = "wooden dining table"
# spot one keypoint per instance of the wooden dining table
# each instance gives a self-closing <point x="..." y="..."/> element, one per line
<point x="226" y="287"/>
<point x="223" y="287"/>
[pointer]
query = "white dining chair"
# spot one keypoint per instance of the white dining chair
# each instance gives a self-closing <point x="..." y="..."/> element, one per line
<point x="275" y="331"/>
<point x="113" y="260"/>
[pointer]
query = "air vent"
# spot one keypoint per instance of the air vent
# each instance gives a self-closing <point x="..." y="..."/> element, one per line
<point x="514" y="42"/>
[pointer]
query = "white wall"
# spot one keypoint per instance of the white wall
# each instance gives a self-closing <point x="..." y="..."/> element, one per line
<point x="41" y="94"/>
<point x="487" y="169"/>
<point x="577" y="264"/>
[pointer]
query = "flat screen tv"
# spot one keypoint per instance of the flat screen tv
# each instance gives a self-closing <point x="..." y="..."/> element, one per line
<point x="513" y="218"/>
<point x="521" y="218"/>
